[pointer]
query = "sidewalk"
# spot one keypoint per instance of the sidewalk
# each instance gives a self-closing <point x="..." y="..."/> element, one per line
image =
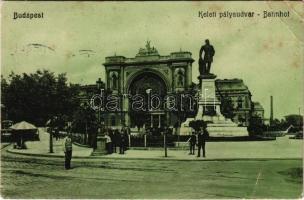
<point x="281" y="148"/>
<point x="4" y="144"/>
<point x="41" y="148"/>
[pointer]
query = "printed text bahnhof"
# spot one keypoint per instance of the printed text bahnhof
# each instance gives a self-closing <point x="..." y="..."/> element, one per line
<point x="244" y="14"/>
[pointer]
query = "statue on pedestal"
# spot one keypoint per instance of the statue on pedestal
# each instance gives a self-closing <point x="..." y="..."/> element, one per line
<point x="205" y="62"/>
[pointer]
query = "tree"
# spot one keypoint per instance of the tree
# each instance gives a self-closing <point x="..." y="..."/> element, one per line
<point x="186" y="104"/>
<point x="295" y="120"/>
<point x="4" y="86"/>
<point x="276" y="125"/>
<point x="256" y="126"/>
<point x="227" y="108"/>
<point x="53" y="125"/>
<point x="38" y="96"/>
<point x="85" y="122"/>
<point x="197" y="125"/>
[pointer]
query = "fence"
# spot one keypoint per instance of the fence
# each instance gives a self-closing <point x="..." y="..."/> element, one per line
<point x="81" y="138"/>
<point x="156" y="141"/>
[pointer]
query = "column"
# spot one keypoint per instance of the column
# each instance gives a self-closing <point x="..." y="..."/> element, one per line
<point x="158" y="120"/>
<point x="127" y="119"/>
<point x="145" y="140"/>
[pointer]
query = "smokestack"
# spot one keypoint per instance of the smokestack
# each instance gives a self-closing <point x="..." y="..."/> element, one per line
<point x="271" y="110"/>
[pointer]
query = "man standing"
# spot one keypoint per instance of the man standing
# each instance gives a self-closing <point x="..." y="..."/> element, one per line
<point x="67" y="147"/>
<point x="201" y="141"/>
<point x="121" y="143"/>
<point x="111" y="135"/>
<point x="192" y="142"/>
<point x="108" y="143"/>
<point x="205" y="64"/>
<point x="126" y="132"/>
<point x="115" y="141"/>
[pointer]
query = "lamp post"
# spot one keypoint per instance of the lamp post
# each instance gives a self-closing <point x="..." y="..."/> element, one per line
<point x="100" y="137"/>
<point x="53" y="124"/>
<point x="148" y="91"/>
<point x="165" y="140"/>
<point x="99" y="85"/>
<point x="51" y="141"/>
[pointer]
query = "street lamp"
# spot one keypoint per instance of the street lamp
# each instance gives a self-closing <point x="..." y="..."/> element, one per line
<point x="148" y="91"/>
<point x="99" y="84"/>
<point x="53" y="124"/>
<point x="100" y="138"/>
<point x="165" y="140"/>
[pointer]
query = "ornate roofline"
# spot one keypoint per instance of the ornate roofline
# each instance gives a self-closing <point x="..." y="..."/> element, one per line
<point x="149" y="55"/>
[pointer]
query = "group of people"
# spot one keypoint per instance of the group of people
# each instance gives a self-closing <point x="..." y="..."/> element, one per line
<point x="198" y="139"/>
<point x="117" y="141"/>
<point x="116" y="138"/>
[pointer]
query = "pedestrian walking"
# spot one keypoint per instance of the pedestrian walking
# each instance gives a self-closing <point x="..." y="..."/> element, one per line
<point x="67" y="147"/>
<point x="192" y="142"/>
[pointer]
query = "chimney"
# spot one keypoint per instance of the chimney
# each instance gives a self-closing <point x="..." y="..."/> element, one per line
<point x="271" y="110"/>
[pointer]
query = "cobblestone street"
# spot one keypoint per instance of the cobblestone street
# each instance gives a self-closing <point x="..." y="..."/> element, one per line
<point x="42" y="177"/>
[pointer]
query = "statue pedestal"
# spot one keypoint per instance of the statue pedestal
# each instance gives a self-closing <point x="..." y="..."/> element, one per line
<point x="209" y="111"/>
<point x="209" y="105"/>
<point x="100" y="147"/>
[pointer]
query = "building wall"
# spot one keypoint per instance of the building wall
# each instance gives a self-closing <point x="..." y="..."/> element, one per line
<point x="258" y="110"/>
<point x="235" y="89"/>
<point x="175" y="70"/>
<point x="240" y="96"/>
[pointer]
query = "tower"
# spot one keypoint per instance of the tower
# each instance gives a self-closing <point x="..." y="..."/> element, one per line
<point x="271" y="110"/>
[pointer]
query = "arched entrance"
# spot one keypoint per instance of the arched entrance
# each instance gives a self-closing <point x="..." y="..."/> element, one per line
<point x="146" y="105"/>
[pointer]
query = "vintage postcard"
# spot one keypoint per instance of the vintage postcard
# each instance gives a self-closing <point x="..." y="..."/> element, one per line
<point x="152" y="99"/>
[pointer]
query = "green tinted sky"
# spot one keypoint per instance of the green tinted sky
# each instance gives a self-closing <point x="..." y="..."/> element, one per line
<point x="266" y="53"/>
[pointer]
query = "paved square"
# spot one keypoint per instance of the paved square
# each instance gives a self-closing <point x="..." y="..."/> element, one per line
<point x="43" y="177"/>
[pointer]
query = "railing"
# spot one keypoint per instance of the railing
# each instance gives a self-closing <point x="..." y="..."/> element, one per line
<point x="155" y="141"/>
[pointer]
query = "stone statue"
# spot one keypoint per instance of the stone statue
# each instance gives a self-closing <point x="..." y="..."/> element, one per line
<point x="180" y="82"/>
<point x="148" y="50"/>
<point x="205" y="63"/>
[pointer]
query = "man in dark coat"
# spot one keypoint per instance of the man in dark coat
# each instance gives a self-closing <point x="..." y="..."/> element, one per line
<point x="126" y="141"/>
<point x="126" y="132"/>
<point x="205" y="64"/>
<point x="116" y="140"/>
<point x="56" y="133"/>
<point x="111" y="134"/>
<point x="122" y="143"/>
<point x="192" y="142"/>
<point x="201" y="142"/>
